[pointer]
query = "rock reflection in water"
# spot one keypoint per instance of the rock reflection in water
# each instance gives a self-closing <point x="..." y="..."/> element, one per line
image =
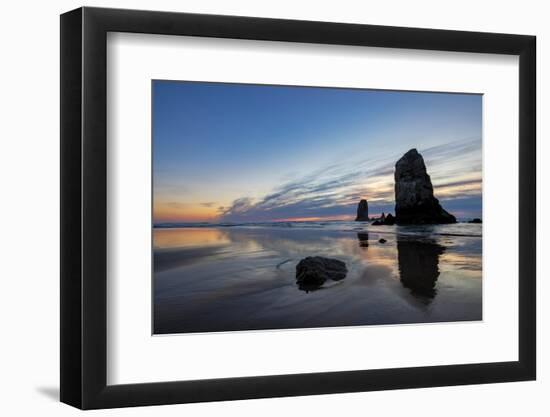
<point x="363" y="239"/>
<point x="419" y="266"/>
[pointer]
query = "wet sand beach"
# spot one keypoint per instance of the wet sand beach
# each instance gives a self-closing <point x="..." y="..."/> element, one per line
<point x="209" y="279"/>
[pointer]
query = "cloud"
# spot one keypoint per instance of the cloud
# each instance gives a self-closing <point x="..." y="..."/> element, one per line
<point x="176" y="205"/>
<point x="334" y="190"/>
<point x="239" y="206"/>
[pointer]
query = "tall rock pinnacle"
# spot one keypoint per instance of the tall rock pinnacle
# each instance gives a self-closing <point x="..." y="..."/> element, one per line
<point x="414" y="195"/>
<point x="362" y="211"/>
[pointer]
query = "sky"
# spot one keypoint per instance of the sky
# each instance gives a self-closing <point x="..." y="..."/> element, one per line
<point x="250" y="153"/>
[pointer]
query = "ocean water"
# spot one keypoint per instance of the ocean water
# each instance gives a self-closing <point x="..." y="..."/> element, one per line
<point x="210" y="278"/>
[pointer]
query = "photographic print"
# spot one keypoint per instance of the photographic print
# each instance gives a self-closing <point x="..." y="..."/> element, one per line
<point x="291" y="207"/>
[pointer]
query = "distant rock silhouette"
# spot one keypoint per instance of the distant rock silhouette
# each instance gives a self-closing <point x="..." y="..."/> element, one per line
<point x="313" y="271"/>
<point x="388" y="220"/>
<point x="362" y="211"/>
<point x="414" y="196"/>
<point x="476" y="220"/>
<point x="379" y="221"/>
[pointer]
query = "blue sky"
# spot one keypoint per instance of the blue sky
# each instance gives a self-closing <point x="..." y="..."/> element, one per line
<point x="237" y="152"/>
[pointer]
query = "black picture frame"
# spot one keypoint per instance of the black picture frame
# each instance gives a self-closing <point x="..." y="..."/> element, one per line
<point x="84" y="207"/>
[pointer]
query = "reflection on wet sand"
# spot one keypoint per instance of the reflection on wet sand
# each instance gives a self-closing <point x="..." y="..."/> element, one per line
<point x="197" y="237"/>
<point x="363" y="238"/>
<point x="245" y="279"/>
<point x="419" y="266"/>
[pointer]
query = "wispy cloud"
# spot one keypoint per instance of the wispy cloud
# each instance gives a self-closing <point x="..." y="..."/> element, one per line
<point x="176" y="205"/>
<point x="335" y="190"/>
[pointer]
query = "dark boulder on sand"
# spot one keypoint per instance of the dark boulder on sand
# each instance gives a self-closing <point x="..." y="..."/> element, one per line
<point x="313" y="271"/>
<point x="414" y="196"/>
<point x="362" y="211"/>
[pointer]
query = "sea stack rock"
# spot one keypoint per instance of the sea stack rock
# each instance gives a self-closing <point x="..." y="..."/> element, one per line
<point x="414" y="195"/>
<point x="362" y="211"/>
